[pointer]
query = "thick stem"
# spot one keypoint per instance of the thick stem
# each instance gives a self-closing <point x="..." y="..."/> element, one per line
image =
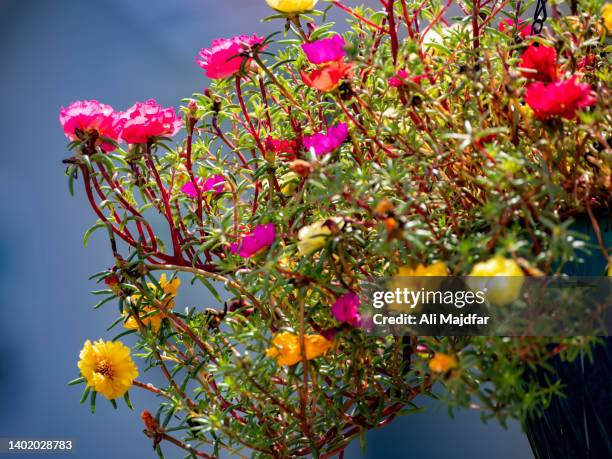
<point x="476" y="27"/>
<point x="392" y="30"/>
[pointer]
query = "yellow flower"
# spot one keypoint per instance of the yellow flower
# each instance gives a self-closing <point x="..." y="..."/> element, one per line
<point x="292" y="6"/>
<point x="606" y="14"/>
<point x="316" y="346"/>
<point x="498" y="291"/>
<point x="288" y="183"/>
<point x="610" y="267"/>
<point x="169" y="291"/>
<point x="313" y="237"/>
<point x="442" y="363"/>
<point x="287" y="350"/>
<point x="405" y="279"/>
<point x="107" y="367"/>
<point x="437" y="269"/>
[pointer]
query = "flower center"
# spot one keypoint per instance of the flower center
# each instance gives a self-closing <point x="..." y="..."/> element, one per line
<point x="104" y="368"/>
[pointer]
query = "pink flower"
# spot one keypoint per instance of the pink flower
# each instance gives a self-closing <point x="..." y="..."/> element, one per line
<point x="346" y="309"/>
<point x="91" y="117"/>
<point x="149" y="119"/>
<point x="397" y="81"/>
<point x="540" y="63"/>
<point x="222" y="59"/>
<point x="216" y="184"/>
<point x="400" y="78"/>
<point x="508" y="24"/>
<point x="250" y="244"/>
<point x="325" y="50"/>
<point x="327" y="143"/>
<point x="562" y="98"/>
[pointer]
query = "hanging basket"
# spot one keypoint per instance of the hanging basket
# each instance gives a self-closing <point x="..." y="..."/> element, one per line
<point x="579" y="424"/>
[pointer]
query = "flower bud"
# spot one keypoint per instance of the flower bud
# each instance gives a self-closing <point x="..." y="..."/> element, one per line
<point x="301" y="167"/>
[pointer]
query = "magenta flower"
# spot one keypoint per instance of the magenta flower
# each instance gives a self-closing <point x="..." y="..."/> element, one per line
<point x="148" y="119"/>
<point x="250" y="244"/>
<point x="325" y="50"/>
<point x="402" y="76"/>
<point x="346" y="309"/>
<point x="90" y="116"/>
<point x="216" y="184"/>
<point x="327" y="143"/>
<point x="397" y="81"/>
<point x="222" y="59"/>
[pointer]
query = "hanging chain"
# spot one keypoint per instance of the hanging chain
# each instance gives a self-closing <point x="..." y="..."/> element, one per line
<point x="539" y="17"/>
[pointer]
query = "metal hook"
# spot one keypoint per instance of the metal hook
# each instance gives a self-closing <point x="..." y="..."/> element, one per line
<point x="539" y="17"/>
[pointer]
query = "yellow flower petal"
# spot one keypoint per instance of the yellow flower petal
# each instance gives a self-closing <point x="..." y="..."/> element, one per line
<point x="437" y="269"/>
<point x="314" y="236"/>
<point x="498" y="291"/>
<point x="316" y="346"/>
<point x="286" y="347"/>
<point x="169" y="291"/>
<point x="292" y="6"/>
<point x="403" y="280"/>
<point x="442" y="363"/>
<point x="606" y="14"/>
<point x="108" y="368"/>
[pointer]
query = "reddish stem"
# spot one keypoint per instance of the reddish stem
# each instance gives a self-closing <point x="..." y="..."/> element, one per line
<point x="166" y="200"/>
<point x="393" y="30"/>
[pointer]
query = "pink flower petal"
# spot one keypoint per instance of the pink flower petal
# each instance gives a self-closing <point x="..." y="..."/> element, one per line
<point x="149" y="119"/>
<point x="346" y="309"/>
<point x="325" y="50"/>
<point x="91" y="116"/>
<point x="262" y="237"/>
<point x="328" y="142"/>
<point x="222" y="59"/>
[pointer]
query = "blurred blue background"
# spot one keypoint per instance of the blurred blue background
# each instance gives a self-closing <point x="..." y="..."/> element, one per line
<point x="51" y="53"/>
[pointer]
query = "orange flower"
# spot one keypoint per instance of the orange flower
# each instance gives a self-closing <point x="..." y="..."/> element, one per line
<point x="442" y="363"/>
<point x="169" y="289"/>
<point x="328" y="77"/>
<point x="287" y="350"/>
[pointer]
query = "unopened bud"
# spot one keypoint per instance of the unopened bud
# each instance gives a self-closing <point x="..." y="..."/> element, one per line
<point x="301" y="167"/>
<point x="193" y="108"/>
<point x="150" y="422"/>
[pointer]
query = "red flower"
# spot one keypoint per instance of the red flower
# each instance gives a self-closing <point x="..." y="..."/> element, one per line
<point x="328" y="77"/>
<point x="539" y="63"/>
<point x="286" y="150"/>
<point x="562" y="98"/>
